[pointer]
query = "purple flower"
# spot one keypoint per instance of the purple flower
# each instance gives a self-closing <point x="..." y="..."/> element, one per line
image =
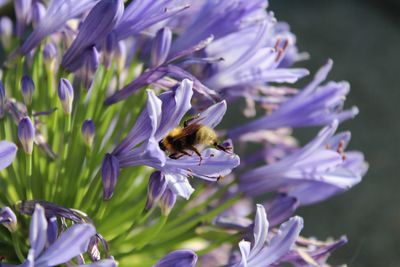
<point x="140" y="15"/>
<point x="262" y="254"/>
<point x="167" y="201"/>
<point x="66" y="95"/>
<point x="88" y="132"/>
<point x="178" y="258"/>
<point x="109" y="173"/>
<point x="90" y="65"/>
<point x="8" y="219"/>
<point x="57" y="14"/>
<point x="2" y="99"/>
<point x="311" y="174"/>
<point x="100" y="21"/>
<point x="163" y="114"/>
<point x="71" y="243"/>
<point x="315" y="105"/>
<point x="38" y="13"/>
<point x="6" y="31"/>
<point x="280" y="208"/>
<point x="27" y="88"/>
<point x="26" y="134"/>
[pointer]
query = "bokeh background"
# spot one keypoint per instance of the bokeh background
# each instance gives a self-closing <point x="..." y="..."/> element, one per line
<point x="363" y="39"/>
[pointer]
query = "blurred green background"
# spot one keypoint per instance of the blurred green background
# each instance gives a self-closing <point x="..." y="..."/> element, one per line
<point x="363" y="39"/>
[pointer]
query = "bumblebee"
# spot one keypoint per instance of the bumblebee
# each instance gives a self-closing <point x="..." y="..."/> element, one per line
<point x="180" y="140"/>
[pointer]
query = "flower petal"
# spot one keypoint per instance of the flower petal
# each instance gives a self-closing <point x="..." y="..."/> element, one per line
<point x="179" y="185"/>
<point x="213" y="115"/>
<point x="70" y="244"/>
<point x="8" y="152"/>
<point x="38" y="230"/>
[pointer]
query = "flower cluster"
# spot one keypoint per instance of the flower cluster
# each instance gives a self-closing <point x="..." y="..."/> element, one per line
<point x="123" y="142"/>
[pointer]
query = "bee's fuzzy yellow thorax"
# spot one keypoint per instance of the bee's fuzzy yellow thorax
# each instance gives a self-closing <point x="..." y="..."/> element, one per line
<point x="174" y="132"/>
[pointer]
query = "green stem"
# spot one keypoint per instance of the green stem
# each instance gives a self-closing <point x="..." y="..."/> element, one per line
<point x="17" y="247"/>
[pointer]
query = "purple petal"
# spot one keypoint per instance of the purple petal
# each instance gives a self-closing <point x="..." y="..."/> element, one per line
<point x="102" y="263"/>
<point x="179" y="184"/>
<point x="260" y="230"/>
<point x="281" y="208"/>
<point x="178" y="258"/>
<point x="244" y="247"/>
<point x="99" y="22"/>
<point x="213" y="115"/>
<point x="154" y="110"/>
<point x="38" y="230"/>
<point x="281" y="243"/>
<point x="70" y="244"/>
<point x="57" y="14"/>
<point x="8" y="152"/>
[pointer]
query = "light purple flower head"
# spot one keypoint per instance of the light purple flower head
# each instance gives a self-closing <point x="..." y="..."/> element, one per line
<point x="22" y="12"/>
<point x="261" y="254"/>
<point x="155" y="189"/>
<point x="178" y="258"/>
<point x="99" y="22"/>
<point x="311" y="174"/>
<point x="69" y="244"/>
<point x="164" y="113"/>
<point x="110" y="173"/>
<point x="38" y="13"/>
<point x="315" y="105"/>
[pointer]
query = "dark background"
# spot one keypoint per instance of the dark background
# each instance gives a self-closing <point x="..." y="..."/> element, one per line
<point x="363" y="39"/>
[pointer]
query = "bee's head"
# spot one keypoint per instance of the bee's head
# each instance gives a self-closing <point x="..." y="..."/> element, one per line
<point x="161" y="145"/>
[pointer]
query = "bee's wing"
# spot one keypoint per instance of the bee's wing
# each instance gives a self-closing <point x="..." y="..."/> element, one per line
<point x="188" y="130"/>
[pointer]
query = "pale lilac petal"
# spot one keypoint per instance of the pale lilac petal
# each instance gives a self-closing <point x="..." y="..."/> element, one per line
<point x="154" y="111"/>
<point x="178" y="258"/>
<point x="38" y="230"/>
<point x="8" y="152"/>
<point x="280" y="208"/>
<point x="175" y="109"/>
<point x="213" y="115"/>
<point x="260" y="230"/>
<point x="281" y="243"/>
<point x="244" y="247"/>
<point x="70" y="244"/>
<point x="179" y="185"/>
<point x="101" y="263"/>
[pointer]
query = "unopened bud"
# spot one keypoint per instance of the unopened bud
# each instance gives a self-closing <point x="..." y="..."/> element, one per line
<point x="88" y="132"/>
<point x="91" y="63"/>
<point x="27" y="88"/>
<point x="2" y="99"/>
<point x="182" y="257"/>
<point x="155" y="188"/>
<point x="50" y="56"/>
<point x="167" y="201"/>
<point x="26" y="134"/>
<point x="8" y="219"/>
<point x="109" y="173"/>
<point x="66" y="95"/>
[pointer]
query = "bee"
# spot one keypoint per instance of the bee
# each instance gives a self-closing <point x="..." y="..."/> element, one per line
<point x="180" y="140"/>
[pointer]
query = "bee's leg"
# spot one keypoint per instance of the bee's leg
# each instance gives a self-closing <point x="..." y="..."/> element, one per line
<point x="226" y="149"/>
<point x="195" y="150"/>
<point x="186" y="122"/>
<point x="176" y="155"/>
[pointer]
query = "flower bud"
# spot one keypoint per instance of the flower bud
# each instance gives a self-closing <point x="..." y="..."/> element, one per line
<point x="27" y="87"/>
<point x="120" y="56"/>
<point x="182" y="257"/>
<point x="2" y="99"/>
<point x="90" y="65"/>
<point x="155" y="188"/>
<point x="161" y="46"/>
<point x="52" y="230"/>
<point x="8" y="219"/>
<point x="38" y="12"/>
<point x="88" y="132"/>
<point x="167" y="201"/>
<point x="26" y="134"/>
<point x="50" y="56"/>
<point x="6" y="31"/>
<point x="66" y="95"/>
<point x="109" y="173"/>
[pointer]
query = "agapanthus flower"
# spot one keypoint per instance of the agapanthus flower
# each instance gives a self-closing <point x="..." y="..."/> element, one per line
<point x="164" y="113"/>
<point x="69" y="244"/>
<point x="314" y="105"/>
<point x="262" y="254"/>
<point x="313" y="173"/>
